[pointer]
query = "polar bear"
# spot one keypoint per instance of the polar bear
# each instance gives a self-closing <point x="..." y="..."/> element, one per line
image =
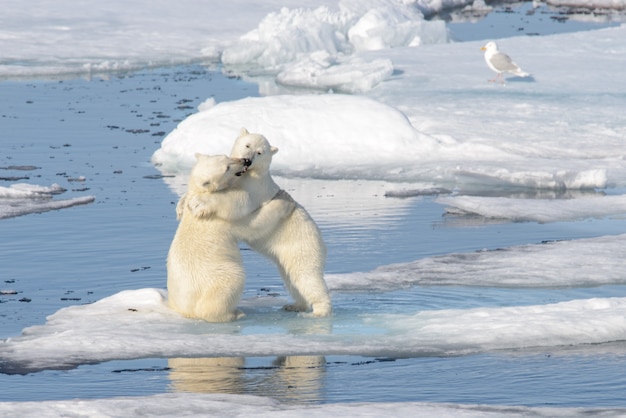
<point x="205" y="275"/>
<point x="271" y="222"/>
<point x="295" y="244"/>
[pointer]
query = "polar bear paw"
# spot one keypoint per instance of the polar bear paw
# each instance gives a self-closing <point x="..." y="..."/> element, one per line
<point x="318" y="310"/>
<point x="200" y="206"/>
<point x="294" y="308"/>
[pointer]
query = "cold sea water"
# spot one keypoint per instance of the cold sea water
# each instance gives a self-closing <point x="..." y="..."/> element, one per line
<point x="95" y="137"/>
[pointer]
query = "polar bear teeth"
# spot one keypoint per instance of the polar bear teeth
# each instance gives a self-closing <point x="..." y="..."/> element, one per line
<point x="243" y="170"/>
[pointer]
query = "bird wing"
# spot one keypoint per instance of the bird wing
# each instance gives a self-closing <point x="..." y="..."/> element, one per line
<point x="503" y="62"/>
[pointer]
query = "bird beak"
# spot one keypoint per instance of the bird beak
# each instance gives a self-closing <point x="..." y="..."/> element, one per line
<point x="483" y="48"/>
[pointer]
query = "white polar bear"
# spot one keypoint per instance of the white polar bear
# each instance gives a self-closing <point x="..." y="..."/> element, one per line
<point x="295" y="244"/>
<point x="272" y="223"/>
<point x="205" y="275"/>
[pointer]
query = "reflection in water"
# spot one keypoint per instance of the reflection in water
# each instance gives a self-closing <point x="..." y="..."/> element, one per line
<point x="210" y="375"/>
<point x="287" y="378"/>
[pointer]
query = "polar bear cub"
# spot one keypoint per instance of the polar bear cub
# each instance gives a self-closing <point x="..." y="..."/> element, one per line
<point x="205" y="275"/>
<point x="295" y="244"/>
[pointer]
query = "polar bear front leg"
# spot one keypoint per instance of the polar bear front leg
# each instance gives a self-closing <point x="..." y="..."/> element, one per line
<point x="271" y="213"/>
<point x="180" y="206"/>
<point x="200" y="206"/>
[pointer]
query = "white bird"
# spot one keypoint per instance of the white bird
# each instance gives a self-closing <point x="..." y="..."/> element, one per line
<point x="500" y="62"/>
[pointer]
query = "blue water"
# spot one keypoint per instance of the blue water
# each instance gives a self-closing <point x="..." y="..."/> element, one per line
<point x="106" y="131"/>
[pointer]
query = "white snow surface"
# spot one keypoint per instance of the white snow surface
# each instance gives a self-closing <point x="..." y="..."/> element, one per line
<point x="437" y="120"/>
<point x="547" y="265"/>
<point x="42" y="39"/>
<point x="303" y="126"/>
<point x="203" y="405"/>
<point x="538" y="210"/>
<point x="138" y="323"/>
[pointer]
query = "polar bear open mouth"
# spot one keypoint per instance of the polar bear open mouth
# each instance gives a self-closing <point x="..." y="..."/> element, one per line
<point x="246" y="164"/>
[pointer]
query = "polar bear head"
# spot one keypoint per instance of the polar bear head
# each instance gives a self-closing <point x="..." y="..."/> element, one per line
<point x="256" y="149"/>
<point x="213" y="173"/>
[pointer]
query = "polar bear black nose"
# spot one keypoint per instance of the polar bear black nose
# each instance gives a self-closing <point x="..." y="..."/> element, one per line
<point x="247" y="162"/>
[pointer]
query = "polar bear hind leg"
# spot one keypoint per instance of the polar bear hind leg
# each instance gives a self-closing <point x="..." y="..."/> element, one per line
<point x="308" y="288"/>
<point x="299" y="252"/>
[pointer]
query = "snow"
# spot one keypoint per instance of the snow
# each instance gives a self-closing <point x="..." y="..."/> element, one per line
<point x="468" y="134"/>
<point x="299" y="126"/>
<point x="138" y="323"/>
<point x="536" y="265"/>
<point x="198" y="405"/>
<point x="94" y="37"/>
<point x="314" y="47"/>
<point x="423" y="114"/>
<point x="538" y="210"/>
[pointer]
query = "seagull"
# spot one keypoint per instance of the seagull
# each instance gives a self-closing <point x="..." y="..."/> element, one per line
<point x="500" y="62"/>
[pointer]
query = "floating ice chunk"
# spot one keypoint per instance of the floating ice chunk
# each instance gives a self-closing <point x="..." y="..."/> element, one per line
<point x="344" y="74"/>
<point x="204" y="404"/>
<point x="23" y="199"/>
<point x="285" y="36"/>
<point x="548" y="180"/>
<point x="388" y="25"/>
<point x="289" y="43"/>
<point x="22" y="190"/>
<point x="314" y="134"/>
<point x="138" y="324"/>
<point x="537" y="210"/>
<point x="553" y="264"/>
<point x="588" y="321"/>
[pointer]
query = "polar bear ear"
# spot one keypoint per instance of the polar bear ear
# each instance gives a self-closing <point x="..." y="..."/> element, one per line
<point x="273" y="150"/>
<point x="243" y="132"/>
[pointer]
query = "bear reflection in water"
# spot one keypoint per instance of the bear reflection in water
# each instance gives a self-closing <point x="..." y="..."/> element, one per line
<point x="287" y="378"/>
